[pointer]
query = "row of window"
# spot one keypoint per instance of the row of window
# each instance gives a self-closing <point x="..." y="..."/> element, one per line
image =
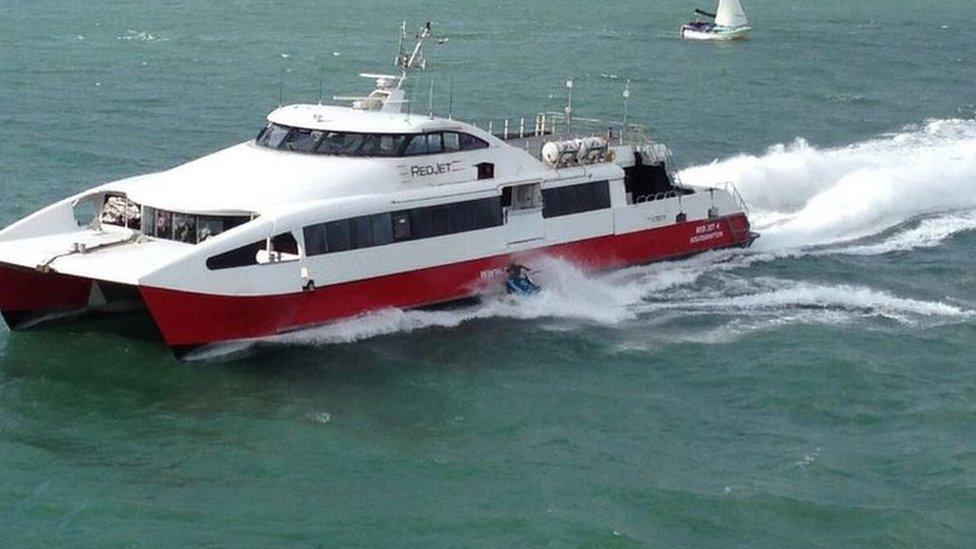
<point x="412" y="224"/>
<point x="278" y="136"/>
<point x="400" y="226"/>
<point x="188" y="228"/>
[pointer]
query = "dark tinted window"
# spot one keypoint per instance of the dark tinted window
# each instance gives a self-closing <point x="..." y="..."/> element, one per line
<point x="164" y="224"/>
<point x="401" y="225"/>
<point x="470" y="142"/>
<point x="301" y="140"/>
<point x="417" y="145"/>
<point x="452" y="142"/>
<point x="238" y="257"/>
<point x="434" y="143"/>
<point x="382" y="228"/>
<point x="382" y="145"/>
<point x="185" y="228"/>
<point x="340" y="143"/>
<point x="248" y="255"/>
<point x="315" y="242"/>
<point x="361" y="231"/>
<point x="273" y="135"/>
<point x="412" y="224"/>
<point x="277" y="136"/>
<point x="337" y="235"/>
<point x="575" y="199"/>
<point x="285" y="243"/>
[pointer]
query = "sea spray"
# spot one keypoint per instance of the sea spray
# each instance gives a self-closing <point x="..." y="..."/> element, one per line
<point x="803" y="196"/>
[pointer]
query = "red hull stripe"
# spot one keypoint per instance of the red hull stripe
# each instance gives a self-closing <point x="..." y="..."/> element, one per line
<point x="187" y="318"/>
<point x="28" y="290"/>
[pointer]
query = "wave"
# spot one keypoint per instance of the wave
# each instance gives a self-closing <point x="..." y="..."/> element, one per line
<point x="772" y="295"/>
<point x="803" y="196"/>
<point x="929" y="233"/>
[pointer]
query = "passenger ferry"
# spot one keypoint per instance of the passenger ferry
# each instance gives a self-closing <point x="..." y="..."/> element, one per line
<point x="334" y="211"/>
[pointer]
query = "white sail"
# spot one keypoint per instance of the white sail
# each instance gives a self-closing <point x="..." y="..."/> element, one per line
<point x="730" y="14"/>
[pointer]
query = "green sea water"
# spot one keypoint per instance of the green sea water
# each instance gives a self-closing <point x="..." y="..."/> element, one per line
<point x="815" y="390"/>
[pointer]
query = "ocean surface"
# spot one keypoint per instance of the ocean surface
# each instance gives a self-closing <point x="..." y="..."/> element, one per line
<point x="818" y="389"/>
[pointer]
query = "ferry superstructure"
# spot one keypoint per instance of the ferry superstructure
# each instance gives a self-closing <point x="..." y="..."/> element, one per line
<point x="336" y="211"/>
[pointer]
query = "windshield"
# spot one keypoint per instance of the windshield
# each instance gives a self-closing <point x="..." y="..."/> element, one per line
<point x="334" y="143"/>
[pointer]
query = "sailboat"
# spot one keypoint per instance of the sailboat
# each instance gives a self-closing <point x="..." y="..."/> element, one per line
<point x="727" y="23"/>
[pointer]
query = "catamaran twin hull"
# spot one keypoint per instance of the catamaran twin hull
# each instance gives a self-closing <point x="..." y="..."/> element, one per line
<point x="187" y="319"/>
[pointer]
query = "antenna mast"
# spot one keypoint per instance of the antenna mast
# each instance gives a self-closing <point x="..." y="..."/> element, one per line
<point x="416" y="58"/>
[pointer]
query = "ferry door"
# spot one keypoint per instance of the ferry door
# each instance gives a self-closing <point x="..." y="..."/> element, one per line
<point x="522" y="207"/>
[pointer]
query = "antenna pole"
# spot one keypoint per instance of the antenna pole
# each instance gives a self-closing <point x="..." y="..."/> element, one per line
<point x="321" y="81"/>
<point x="430" y="99"/>
<point x="281" y="87"/>
<point x="409" y="102"/>
<point x="623" y="131"/>
<point x="450" y="101"/>
<point x="569" y="104"/>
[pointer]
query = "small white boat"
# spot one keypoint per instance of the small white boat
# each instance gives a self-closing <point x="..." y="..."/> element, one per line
<point x="727" y="23"/>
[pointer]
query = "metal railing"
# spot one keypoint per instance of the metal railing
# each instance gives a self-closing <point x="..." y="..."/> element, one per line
<point x="560" y="126"/>
<point x="733" y="191"/>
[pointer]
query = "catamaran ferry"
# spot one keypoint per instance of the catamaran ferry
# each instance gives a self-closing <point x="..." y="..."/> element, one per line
<point x="336" y="211"/>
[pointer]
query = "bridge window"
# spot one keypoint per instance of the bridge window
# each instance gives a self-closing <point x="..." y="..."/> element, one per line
<point x="334" y="143"/>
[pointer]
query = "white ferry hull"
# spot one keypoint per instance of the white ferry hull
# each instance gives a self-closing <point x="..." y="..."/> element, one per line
<point x="189" y="319"/>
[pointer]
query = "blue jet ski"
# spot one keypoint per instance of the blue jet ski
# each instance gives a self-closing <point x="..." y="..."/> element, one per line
<point x="518" y="282"/>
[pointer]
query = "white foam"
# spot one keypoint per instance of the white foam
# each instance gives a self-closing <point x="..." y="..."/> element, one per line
<point x="803" y="196"/>
<point x="929" y="233"/>
<point x="567" y="293"/>
<point x="777" y="295"/>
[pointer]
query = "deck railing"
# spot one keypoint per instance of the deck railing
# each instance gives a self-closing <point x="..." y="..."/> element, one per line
<point x="560" y="126"/>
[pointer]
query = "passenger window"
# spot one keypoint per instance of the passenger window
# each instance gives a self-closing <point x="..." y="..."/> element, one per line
<point x="302" y="140"/>
<point x="164" y="224"/>
<point x="361" y="229"/>
<point x="149" y="224"/>
<point x="486" y="170"/>
<point x="434" y="144"/>
<point x="208" y="226"/>
<point x="469" y="142"/>
<point x="526" y="197"/>
<point x="315" y="242"/>
<point x="283" y="247"/>
<point x="382" y="229"/>
<point x="285" y="243"/>
<point x="337" y="235"/>
<point x="417" y="145"/>
<point x="340" y="143"/>
<point x="184" y="228"/>
<point x="238" y="257"/>
<point x="452" y="143"/>
<point x="273" y="136"/>
<point x="401" y="225"/>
